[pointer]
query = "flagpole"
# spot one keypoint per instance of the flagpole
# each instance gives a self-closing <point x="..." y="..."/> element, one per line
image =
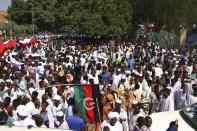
<point x="98" y="110"/>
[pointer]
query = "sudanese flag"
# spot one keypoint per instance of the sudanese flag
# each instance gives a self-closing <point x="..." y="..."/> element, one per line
<point x="88" y="101"/>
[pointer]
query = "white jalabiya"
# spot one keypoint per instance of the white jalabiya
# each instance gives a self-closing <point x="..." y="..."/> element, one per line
<point x="167" y="104"/>
<point x="24" y="123"/>
<point x="116" y="127"/>
<point x="191" y="99"/>
<point x="180" y="100"/>
<point x="116" y="80"/>
<point x="64" y="126"/>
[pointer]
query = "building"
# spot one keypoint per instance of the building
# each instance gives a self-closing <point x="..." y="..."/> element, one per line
<point x="3" y="15"/>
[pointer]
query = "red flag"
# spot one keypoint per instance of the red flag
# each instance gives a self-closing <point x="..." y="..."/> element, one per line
<point x="10" y="44"/>
<point x="89" y="107"/>
<point x="33" y="41"/>
<point x="2" y="47"/>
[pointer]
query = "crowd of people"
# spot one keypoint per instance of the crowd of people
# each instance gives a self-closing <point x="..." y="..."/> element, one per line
<point x="135" y="80"/>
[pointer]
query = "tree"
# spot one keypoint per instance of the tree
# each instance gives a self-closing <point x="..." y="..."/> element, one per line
<point x="96" y="17"/>
<point x="16" y="12"/>
<point x="165" y="14"/>
<point x="45" y="14"/>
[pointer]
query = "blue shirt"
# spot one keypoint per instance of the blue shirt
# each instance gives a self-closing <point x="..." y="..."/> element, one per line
<point x="131" y="62"/>
<point x="10" y="120"/>
<point x="44" y="116"/>
<point x="37" y="69"/>
<point x="21" y="85"/>
<point x="172" y="128"/>
<point x="70" y="110"/>
<point x="105" y="77"/>
<point x="75" y="122"/>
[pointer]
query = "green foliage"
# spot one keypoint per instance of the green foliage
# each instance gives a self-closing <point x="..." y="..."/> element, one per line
<point x="166" y="14"/>
<point x="164" y="38"/>
<point x="16" y="30"/>
<point x="104" y="17"/>
<point x="90" y="17"/>
<point x="96" y="17"/>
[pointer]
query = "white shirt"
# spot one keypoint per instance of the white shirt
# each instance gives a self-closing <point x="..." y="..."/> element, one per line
<point x="147" y="90"/>
<point x="30" y="107"/>
<point x="83" y="60"/>
<point x="177" y="85"/>
<point x="167" y="104"/>
<point x="95" y="78"/>
<point x="123" y="115"/>
<point x="158" y="71"/>
<point x="116" y="127"/>
<point x="64" y="126"/>
<point x="133" y="120"/>
<point x="128" y="55"/>
<point x="61" y="107"/>
<point x="116" y="80"/>
<point x="26" y="122"/>
<point x="180" y="100"/>
<point x="191" y="99"/>
<point x="33" y="122"/>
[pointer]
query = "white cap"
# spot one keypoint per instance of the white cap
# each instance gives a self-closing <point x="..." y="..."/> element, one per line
<point x="31" y="90"/>
<point x="9" y="80"/>
<point x="166" y="72"/>
<point x="118" y="69"/>
<point x="21" y="110"/>
<point x="60" y="114"/>
<point x="134" y="102"/>
<point x="112" y="115"/>
<point x="123" y="77"/>
<point x="168" y="87"/>
<point x="57" y="97"/>
<point x="128" y="72"/>
<point x="118" y="101"/>
<point x="35" y="112"/>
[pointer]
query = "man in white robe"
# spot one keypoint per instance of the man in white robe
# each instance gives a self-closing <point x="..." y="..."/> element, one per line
<point x="181" y="98"/>
<point x="60" y="122"/>
<point x="116" y="79"/>
<point x="167" y="104"/>
<point x="192" y="98"/>
<point x="113" y="124"/>
<point x="23" y="119"/>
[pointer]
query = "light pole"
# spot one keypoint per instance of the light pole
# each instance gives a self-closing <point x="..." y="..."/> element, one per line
<point x="32" y="15"/>
<point x="5" y="30"/>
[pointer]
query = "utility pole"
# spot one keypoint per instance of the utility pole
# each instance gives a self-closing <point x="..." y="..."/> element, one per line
<point x="10" y="27"/>
<point x="33" y="15"/>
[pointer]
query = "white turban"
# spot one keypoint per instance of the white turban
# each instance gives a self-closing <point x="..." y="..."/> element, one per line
<point x="112" y="115"/>
<point x="21" y="110"/>
<point x="57" y="97"/>
<point x="35" y="112"/>
<point x="118" y="101"/>
<point x="60" y="114"/>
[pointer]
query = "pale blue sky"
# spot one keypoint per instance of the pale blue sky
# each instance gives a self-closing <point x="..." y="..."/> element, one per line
<point x="4" y="4"/>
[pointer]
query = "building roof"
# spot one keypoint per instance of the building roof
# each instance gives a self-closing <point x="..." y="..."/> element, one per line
<point x="3" y="15"/>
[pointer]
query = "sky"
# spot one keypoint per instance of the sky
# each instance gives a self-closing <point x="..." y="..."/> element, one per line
<point x="4" y="4"/>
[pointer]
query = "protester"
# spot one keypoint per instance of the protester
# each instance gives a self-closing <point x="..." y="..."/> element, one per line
<point x="134" y="81"/>
<point x="173" y="126"/>
<point x="75" y="122"/>
<point x="113" y="124"/>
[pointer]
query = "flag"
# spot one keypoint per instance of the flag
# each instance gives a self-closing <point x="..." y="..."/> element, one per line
<point x="88" y="101"/>
<point x="2" y="47"/>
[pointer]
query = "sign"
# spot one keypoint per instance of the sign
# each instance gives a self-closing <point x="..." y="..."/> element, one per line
<point x="191" y="37"/>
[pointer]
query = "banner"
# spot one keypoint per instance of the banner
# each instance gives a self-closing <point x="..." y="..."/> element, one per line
<point x="88" y="101"/>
